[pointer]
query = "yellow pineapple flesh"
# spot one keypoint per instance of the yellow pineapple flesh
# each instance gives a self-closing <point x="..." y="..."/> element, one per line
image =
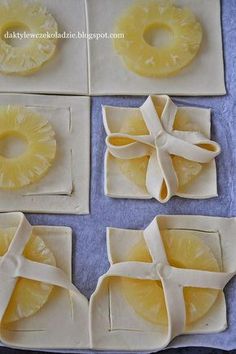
<point x="151" y="61"/>
<point x="27" y="59"/>
<point x="184" y="250"/>
<point x="135" y="169"/>
<point x="34" y="163"/>
<point x="29" y="295"/>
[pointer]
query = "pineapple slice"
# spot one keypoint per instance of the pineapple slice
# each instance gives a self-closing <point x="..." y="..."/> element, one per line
<point x="184" y="250"/>
<point x="29" y="295"/>
<point x="135" y="169"/>
<point x="183" y="123"/>
<point x="186" y="170"/>
<point x="147" y="60"/>
<point x="33" y="164"/>
<point x="35" y="18"/>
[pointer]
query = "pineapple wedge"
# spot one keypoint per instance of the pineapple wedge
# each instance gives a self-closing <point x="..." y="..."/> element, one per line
<point x="135" y="169"/>
<point x="33" y="164"/>
<point x="35" y="18"/>
<point x="184" y="250"/>
<point x="151" y="61"/>
<point x="29" y="295"/>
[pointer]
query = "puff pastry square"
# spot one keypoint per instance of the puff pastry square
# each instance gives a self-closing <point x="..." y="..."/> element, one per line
<point x="67" y="70"/>
<point x="63" y="321"/>
<point x="108" y="74"/>
<point x="149" y="141"/>
<point x="65" y="188"/>
<point x="117" y="326"/>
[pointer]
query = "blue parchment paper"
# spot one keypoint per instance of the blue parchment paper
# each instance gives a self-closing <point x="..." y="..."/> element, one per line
<point x="89" y="243"/>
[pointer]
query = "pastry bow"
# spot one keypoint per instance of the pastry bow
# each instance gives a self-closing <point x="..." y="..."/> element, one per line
<point x="162" y="142"/>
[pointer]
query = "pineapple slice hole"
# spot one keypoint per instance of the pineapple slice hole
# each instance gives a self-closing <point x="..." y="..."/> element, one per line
<point x="12" y="145"/>
<point x="158" y="35"/>
<point x="16" y="35"/>
<point x="26" y="126"/>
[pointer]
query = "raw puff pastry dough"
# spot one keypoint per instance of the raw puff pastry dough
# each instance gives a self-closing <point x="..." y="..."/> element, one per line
<point x="67" y="70"/>
<point x="65" y="188"/>
<point x="108" y="75"/>
<point x="162" y="142"/>
<point x="63" y="321"/>
<point x="117" y="327"/>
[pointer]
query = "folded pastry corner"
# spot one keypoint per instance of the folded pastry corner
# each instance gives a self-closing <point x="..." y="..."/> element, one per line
<point x="159" y="150"/>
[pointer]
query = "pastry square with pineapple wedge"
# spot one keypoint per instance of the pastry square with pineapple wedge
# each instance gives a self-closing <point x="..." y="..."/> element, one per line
<point x="44" y="153"/>
<point x="164" y="281"/>
<point x="40" y="51"/>
<point x="156" y="46"/>
<point x="159" y="150"/>
<point x="39" y="306"/>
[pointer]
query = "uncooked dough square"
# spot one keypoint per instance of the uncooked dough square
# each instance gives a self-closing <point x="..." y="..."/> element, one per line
<point x="117" y="185"/>
<point x="65" y="188"/>
<point x="120" y="243"/>
<point x="62" y="321"/>
<point x="108" y="75"/>
<point x="116" y="326"/>
<point x="66" y="72"/>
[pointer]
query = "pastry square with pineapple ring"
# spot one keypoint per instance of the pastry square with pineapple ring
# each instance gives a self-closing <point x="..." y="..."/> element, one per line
<point x="159" y="150"/>
<point x="40" y="307"/>
<point x="120" y="73"/>
<point x="65" y="70"/>
<point x="164" y="281"/>
<point x="64" y="187"/>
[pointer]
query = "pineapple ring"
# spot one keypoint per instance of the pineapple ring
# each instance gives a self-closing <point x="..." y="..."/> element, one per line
<point x="30" y="15"/>
<point x="184" y="250"/>
<point x="29" y="296"/>
<point x="33" y="164"/>
<point x="147" y="60"/>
